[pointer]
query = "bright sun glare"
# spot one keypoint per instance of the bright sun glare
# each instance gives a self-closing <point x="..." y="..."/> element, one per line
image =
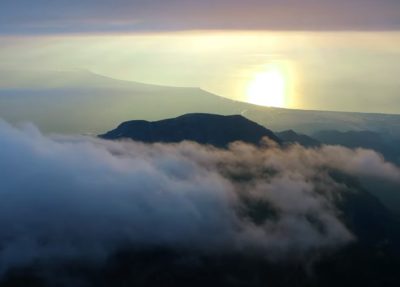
<point x="268" y="88"/>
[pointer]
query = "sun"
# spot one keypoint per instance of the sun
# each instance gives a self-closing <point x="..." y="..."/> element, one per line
<point x="268" y="88"/>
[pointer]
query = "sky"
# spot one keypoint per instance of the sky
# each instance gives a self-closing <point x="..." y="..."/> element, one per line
<point x="47" y="16"/>
<point x="326" y="55"/>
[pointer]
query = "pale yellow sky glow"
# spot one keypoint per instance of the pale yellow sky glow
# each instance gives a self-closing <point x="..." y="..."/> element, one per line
<point x="313" y="70"/>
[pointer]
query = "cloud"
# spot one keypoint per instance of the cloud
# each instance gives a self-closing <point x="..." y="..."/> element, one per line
<point x="75" y="197"/>
<point x="20" y="16"/>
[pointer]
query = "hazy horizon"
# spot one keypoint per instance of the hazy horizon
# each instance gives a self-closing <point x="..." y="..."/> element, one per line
<point x="26" y="82"/>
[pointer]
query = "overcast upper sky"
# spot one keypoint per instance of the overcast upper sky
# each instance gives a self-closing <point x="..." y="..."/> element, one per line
<point x="71" y="16"/>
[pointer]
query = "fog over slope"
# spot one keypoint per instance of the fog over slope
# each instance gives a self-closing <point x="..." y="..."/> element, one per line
<point x="83" y="198"/>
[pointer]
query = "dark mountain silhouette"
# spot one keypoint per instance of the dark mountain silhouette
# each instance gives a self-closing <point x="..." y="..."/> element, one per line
<point x="291" y="137"/>
<point x="382" y="143"/>
<point x="210" y="129"/>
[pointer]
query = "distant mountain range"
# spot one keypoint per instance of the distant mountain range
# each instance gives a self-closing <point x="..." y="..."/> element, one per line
<point x="385" y="144"/>
<point x="220" y="130"/>
<point x="291" y="137"/>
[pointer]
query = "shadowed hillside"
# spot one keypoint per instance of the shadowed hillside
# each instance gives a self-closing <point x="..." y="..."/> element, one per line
<point x="202" y="128"/>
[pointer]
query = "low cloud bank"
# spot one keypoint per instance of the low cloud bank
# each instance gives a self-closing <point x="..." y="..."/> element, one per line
<point x="80" y="197"/>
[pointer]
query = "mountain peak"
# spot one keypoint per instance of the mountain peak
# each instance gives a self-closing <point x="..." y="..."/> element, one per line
<point x="213" y="129"/>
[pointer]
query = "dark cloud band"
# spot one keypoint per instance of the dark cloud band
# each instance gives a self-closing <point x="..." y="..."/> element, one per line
<point x="42" y="16"/>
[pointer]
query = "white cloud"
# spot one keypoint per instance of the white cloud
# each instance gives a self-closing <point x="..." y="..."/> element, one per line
<point x="80" y="197"/>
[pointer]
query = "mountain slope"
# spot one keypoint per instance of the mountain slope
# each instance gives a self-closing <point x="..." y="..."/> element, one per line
<point x="381" y="143"/>
<point x="211" y="129"/>
<point x="291" y="137"/>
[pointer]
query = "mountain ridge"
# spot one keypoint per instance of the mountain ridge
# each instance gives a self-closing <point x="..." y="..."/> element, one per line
<point x="204" y="128"/>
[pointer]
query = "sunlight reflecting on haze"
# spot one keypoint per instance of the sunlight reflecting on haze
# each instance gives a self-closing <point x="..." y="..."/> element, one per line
<point x="312" y="69"/>
<point x="268" y="88"/>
